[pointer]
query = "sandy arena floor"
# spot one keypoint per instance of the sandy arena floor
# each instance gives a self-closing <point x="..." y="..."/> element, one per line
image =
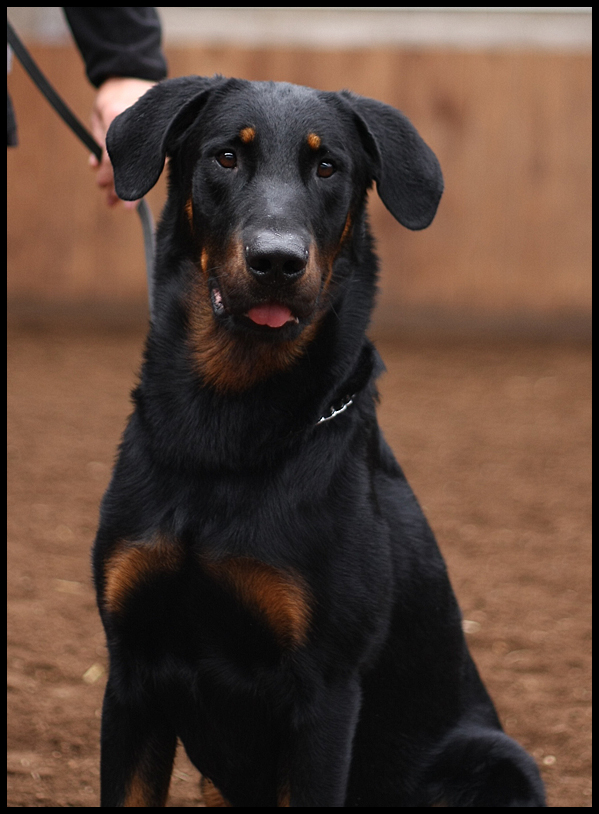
<point x="495" y="439"/>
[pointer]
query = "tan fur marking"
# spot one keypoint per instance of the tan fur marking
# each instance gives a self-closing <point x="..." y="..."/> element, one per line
<point x="139" y="795"/>
<point x="189" y="211"/>
<point x="247" y="134"/>
<point x="131" y="564"/>
<point x="325" y="262"/>
<point x="346" y="231"/>
<point x="227" y="361"/>
<point x="284" y="798"/>
<point x="204" y="261"/>
<point x="212" y="796"/>
<point x="314" y="141"/>
<point x="280" y="597"/>
<point x="330" y="263"/>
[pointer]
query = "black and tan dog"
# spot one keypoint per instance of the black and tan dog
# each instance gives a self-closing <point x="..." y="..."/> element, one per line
<point x="271" y="591"/>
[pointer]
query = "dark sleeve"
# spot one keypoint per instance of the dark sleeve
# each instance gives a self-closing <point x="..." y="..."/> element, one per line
<point x="118" y="41"/>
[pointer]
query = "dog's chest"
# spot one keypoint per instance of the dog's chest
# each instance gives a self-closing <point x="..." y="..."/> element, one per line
<point x="170" y="599"/>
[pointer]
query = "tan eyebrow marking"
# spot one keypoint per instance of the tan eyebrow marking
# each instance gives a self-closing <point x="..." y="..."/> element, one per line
<point x="247" y="134"/>
<point x="314" y="141"/>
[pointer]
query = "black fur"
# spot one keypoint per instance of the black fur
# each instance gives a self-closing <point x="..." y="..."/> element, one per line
<point x="271" y="592"/>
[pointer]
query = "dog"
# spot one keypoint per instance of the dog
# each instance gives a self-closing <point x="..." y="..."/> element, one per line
<point x="271" y="592"/>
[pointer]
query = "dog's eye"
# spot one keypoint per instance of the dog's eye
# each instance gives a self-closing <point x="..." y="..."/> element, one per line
<point x="325" y="169"/>
<point x="227" y="159"/>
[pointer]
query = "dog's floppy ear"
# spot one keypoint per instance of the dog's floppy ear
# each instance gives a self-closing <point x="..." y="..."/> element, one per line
<point x="407" y="174"/>
<point x="139" y="139"/>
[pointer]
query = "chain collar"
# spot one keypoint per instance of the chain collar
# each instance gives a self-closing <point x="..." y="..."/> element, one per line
<point x="368" y="365"/>
<point x="337" y="409"/>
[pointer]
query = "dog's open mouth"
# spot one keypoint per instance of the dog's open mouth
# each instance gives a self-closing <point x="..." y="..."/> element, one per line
<point x="272" y="315"/>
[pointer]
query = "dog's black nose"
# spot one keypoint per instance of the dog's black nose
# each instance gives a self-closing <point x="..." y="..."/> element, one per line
<point x="276" y="257"/>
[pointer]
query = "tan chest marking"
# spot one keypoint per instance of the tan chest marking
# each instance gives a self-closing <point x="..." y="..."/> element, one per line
<point x="132" y="564"/>
<point x="280" y="597"/>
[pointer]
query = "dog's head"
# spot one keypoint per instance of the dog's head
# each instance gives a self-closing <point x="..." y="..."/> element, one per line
<point x="267" y="179"/>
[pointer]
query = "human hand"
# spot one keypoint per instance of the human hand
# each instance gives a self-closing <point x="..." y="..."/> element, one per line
<point x="113" y="97"/>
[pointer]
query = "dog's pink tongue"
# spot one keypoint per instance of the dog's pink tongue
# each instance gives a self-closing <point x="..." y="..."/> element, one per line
<point x="270" y="314"/>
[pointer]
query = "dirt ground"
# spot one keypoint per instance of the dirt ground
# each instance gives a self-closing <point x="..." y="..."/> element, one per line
<point x="495" y="439"/>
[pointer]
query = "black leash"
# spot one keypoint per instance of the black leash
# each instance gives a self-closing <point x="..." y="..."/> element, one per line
<point x="86" y="137"/>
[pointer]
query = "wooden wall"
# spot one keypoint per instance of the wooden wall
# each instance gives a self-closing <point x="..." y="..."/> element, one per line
<point x="509" y="251"/>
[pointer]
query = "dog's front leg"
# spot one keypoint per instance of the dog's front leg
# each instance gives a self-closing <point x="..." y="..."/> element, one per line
<point x="321" y="744"/>
<point x="138" y="748"/>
